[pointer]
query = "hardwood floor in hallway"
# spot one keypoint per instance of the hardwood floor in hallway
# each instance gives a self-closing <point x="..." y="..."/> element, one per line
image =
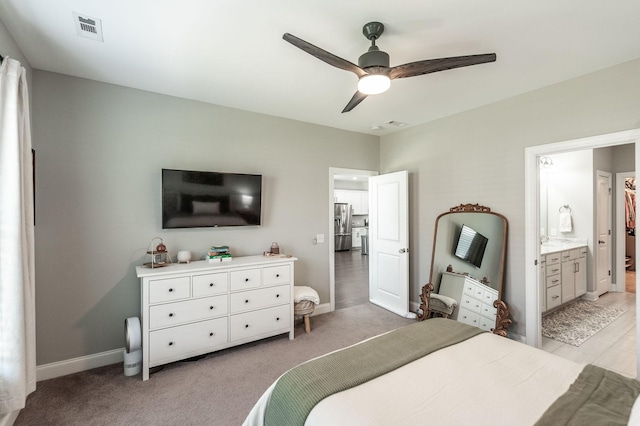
<point x="352" y="278"/>
<point x="614" y="347"/>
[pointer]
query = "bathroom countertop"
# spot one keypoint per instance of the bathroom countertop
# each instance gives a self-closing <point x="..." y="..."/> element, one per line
<point x="560" y="244"/>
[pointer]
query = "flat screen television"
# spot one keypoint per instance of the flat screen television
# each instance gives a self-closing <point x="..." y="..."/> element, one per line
<point x="471" y="246"/>
<point x="195" y="199"/>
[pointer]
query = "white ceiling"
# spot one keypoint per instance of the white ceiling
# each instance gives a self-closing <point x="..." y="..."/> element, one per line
<point x="231" y="52"/>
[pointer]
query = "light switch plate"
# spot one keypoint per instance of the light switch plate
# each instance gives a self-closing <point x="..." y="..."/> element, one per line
<point x="320" y="238"/>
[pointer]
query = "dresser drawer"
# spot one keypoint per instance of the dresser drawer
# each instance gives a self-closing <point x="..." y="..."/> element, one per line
<point x="258" y="299"/>
<point x="468" y="317"/>
<point x="553" y="280"/>
<point x="171" y="314"/>
<point x="472" y="290"/>
<point x="489" y="296"/>
<point x="554" y="296"/>
<point x="255" y="323"/>
<point x="245" y="279"/>
<point x="276" y="275"/>
<point x="169" y="289"/>
<point x="487" y="323"/>
<point x="171" y="343"/>
<point x="488" y="311"/>
<point x="210" y="284"/>
<point x="552" y="259"/>
<point x="553" y="270"/>
<point x="470" y="304"/>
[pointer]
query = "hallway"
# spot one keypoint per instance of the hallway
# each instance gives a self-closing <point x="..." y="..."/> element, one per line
<point x="352" y="278"/>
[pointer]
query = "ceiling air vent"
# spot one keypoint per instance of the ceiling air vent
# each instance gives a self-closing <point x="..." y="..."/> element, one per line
<point x="88" y="27"/>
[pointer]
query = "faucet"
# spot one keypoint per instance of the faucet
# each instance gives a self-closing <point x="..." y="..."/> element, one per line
<point x="543" y="239"/>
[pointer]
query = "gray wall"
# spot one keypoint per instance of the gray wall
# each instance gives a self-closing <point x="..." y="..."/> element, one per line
<point x="100" y="151"/>
<point x="490" y="168"/>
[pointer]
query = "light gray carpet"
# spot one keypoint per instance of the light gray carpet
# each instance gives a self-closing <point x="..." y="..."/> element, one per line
<point x="578" y="321"/>
<point x="219" y="389"/>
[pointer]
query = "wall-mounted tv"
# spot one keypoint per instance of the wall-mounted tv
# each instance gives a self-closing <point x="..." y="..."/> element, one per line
<point x="195" y="199"/>
<point x="471" y="246"/>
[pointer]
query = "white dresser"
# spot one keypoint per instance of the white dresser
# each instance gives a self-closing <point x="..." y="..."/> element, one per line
<point x="475" y="300"/>
<point x="200" y="307"/>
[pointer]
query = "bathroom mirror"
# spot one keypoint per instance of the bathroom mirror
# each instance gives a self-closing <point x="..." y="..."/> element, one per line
<point x="470" y="240"/>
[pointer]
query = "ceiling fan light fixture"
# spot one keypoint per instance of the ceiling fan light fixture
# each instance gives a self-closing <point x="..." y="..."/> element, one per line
<point x="373" y="84"/>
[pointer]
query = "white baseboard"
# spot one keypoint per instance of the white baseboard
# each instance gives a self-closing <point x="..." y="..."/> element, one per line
<point x="323" y="308"/>
<point x="591" y="296"/>
<point x="75" y="365"/>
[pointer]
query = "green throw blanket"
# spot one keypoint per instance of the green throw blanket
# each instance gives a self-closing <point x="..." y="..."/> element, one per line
<point x="300" y="389"/>
<point x="597" y="397"/>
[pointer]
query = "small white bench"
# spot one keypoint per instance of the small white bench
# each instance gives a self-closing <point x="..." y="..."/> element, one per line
<point x="305" y="300"/>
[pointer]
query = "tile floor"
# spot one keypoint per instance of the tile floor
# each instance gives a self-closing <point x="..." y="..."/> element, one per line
<point x="614" y="347"/>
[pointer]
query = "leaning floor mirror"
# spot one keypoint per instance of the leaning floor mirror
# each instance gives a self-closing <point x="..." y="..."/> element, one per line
<point x="467" y="269"/>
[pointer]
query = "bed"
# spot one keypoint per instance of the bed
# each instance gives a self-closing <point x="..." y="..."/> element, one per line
<point x="446" y="373"/>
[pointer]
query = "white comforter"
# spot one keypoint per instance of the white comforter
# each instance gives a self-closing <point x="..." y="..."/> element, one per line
<point x="486" y="380"/>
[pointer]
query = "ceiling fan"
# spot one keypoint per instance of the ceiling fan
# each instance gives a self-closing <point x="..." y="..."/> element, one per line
<point x="373" y="69"/>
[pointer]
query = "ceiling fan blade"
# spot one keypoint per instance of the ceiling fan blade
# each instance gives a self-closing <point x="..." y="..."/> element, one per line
<point x="323" y="55"/>
<point x="355" y="100"/>
<point x="434" y="65"/>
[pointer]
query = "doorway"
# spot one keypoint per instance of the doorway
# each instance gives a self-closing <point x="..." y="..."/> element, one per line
<point x="349" y="268"/>
<point x="532" y="219"/>
<point x="603" y="232"/>
<point x="626" y="235"/>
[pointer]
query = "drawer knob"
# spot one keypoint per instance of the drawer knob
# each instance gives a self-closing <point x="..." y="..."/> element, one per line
<point x="211" y="307"/>
<point x="210" y="284"/>
<point x="246" y="280"/>
<point x="170" y="290"/>
<point x="170" y="343"/>
<point x="170" y="314"/>
<point x="278" y="319"/>
<point x="277" y="295"/>
<point x="246" y="301"/>
<point x="210" y="334"/>
<point x="277" y="275"/>
<point x="246" y="326"/>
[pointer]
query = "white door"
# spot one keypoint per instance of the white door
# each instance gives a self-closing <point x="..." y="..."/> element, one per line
<point x="603" y="244"/>
<point x="389" y="242"/>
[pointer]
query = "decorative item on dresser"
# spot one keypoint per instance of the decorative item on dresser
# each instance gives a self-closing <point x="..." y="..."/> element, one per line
<point x="159" y="255"/>
<point x="470" y="240"/>
<point x="201" y="307"/>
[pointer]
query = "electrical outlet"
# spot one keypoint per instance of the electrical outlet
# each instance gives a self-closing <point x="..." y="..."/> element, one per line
<point x="552" y="232"/>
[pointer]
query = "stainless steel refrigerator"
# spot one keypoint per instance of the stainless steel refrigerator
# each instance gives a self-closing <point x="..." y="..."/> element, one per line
<point x="342" y="226"/>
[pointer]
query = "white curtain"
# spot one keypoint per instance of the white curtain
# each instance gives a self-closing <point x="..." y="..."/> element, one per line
<point x="17" y="271"/>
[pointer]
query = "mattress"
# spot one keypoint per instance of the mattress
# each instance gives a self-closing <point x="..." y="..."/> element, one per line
<point x="484" y="380"/>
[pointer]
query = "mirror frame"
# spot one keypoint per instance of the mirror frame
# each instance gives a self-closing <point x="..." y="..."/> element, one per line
<point x="502" y="319"/>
